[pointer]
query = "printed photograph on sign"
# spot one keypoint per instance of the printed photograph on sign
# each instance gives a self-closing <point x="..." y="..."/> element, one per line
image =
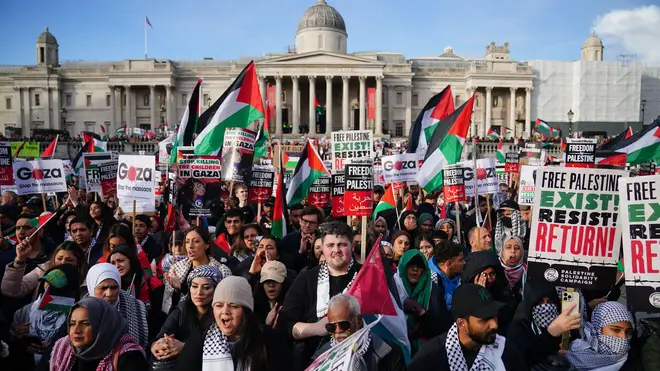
<point x="527" y="186"/>
<point x="574" y="239"/>
<point x="237" y="153"/>
<point x="349" y="147"/>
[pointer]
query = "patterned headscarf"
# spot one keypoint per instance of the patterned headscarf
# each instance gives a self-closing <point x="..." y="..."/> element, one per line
<point x="453" y="225"/>
<point x="595" y="350"/>
<point x="518" y="229"/>
<point x="211" y="273"/>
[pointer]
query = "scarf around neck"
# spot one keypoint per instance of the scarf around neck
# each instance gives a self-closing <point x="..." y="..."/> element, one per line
<point x="488" y="359"/>
<point x="216" y="352"/>
<point x="323" y="288"/>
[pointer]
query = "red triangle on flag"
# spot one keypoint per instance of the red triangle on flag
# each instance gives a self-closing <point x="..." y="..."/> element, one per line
<point x="657" y="133"/>
<point x="445" y="106"/>
<point x="249" y="92"/>
<point x="409" y="204"/>
<point x="47" y="298"/>
<point x="370" y="286"/>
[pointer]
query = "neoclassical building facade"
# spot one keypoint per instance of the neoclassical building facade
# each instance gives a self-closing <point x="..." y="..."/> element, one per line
<point x="380" y="91"/>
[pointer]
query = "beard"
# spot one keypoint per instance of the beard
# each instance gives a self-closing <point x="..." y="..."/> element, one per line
<point x="486" y="338"/>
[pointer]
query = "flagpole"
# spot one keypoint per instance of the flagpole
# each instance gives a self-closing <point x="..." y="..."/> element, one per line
<point x="145" y="38"/>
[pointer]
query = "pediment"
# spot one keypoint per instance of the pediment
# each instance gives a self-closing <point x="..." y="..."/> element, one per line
<point x="319" y="59"/>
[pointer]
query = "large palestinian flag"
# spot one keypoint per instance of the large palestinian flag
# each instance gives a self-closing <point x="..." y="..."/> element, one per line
<point x="501" y="158"/>
<point x="446" y="146"/>
<point x="310" y="167"/>
<point x="643" y="146"/>
<point x="437" y="109"/>
<point x="188" y="124"/>
<point x="616" y="140"/>
<point x="239" y="106"/>
<point x="98" y="145"/>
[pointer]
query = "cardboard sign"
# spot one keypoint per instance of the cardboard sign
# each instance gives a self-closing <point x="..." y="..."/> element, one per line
<point x="237" y="153"/>
<point x="135" y="179"/>
<point x="359" y="190"/>
<point x="6" y="170"/>
<point x="533" y="154"/>
<point x="641" y="241"/>
<point x="205" y="168"/>
<point x="261" y="184"/>
<point x="39" y="176"/>
<point x="351" y="147"/>
<point x="580" y="152"/>
<point x="337" y="194"/>
<point x="91" y="163"/>
<point x="319" y="192"/>
<point x="646" y="168"/>
<point x="574" y="238"/>
<point x="502" y="176"/>
<point x="108" y="176"/>
<point x="453" y="183"/>
<point x="527" y="186"/>
<point x="400" y="168"/>
<point x="512" y="164"/>
<point x="486" y="174"/>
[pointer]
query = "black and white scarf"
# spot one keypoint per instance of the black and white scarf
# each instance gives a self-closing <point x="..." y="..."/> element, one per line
<point x="359" y="363"/>
<point x="323" y="288"/>
<point x="544" y="314"/>
<point x="135" y="314"/>
<point x="216" y="353"/>
<point x="488" y="359"/>
<point x="518" y="229"/>
<point x="180" y="270"/>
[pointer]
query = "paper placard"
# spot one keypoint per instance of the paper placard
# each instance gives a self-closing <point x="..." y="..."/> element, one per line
<point x="39" y="176"/>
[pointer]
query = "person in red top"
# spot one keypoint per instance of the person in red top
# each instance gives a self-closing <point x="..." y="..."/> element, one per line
<point x="233" y="225"/>
<point x="120" y="234"/>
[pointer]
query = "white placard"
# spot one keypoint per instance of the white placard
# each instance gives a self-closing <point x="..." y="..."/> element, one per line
<point x="527" y="187"/>
<point x="135" y="178"/>
<point x="351" y="147"/>
<point x="400" y="168"/>
<point x="486" y="174"/>
<point x="39" y="176"/>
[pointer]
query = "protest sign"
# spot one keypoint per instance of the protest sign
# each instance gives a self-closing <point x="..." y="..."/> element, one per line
<point x="135" y="179"/>
<point x="108" y="177"/>
<point x="533" y="154"/>
<point x="486" y="174"/>
<point x="237" y="153"/>
<point x="453" y="183"/>
<point x="502" y="176"/>
<point x="261" y="184"/>
<point x="351" y="147"/>
<point x="6" y="170"/>
<point x="379" y="177"/>
<point x="337" y="193"/>
<point x="39" y="176"/>
<point x="574" y="239"/>
<point x="91" y="162"/>
<point x="319" y="192"/>
<point x="30" y="149"/>
<point x="527" y="187"/>
<point x="359" y="190"/>
<point x="646" y="168"/>
<point x="580" y="152"/>
<point x="640" y="212"/>
<point x="400" y="168"/>
<point x="204" y="168"/>
<point x="512" y="164"/>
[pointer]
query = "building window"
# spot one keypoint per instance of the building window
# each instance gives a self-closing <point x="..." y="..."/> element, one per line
<point x="398" y="129"/>
<point x="88" y="101"/>
<point x="145" y="100"/>
<point x="415" y="100"/>
<point x="67" y="100"/>
<point x="206" y="99"/>
<point x="107" y="126"/>
<point x="8" y="103"/>
<point x="123" y="100"/>
<point x="184" y="99"/>
<point x="37" y="100"/>
<point x="38" y="124"/>
<point x="89" y="126"/>
<point x="42" y="54"/>
<point x="108" y="100"/>
<point x="457" y="101"/>
<point x="399" y="98"/>
<point x="145" y="127"/>
<point x="284" y="96"/>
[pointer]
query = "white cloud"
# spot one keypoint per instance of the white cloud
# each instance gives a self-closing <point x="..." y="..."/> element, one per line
<point x="635" y="30"/>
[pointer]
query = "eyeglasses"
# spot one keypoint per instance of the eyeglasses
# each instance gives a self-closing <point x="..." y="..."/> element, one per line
<point x="305" y="221"/>
<point x="343" y="325"/>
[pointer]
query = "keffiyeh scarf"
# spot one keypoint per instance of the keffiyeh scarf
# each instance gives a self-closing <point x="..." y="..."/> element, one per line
<point x="544" y="314"/>
<point x="323" y="288"/>
<point x="169" y="260"/>
<point x="518" y="229"/>
<point x="216" y="353"/>
<point x="181" y="270"/>
<point x="359" y="363"/>
<point x="488" y="359"/>
<point x="135" y="314"/>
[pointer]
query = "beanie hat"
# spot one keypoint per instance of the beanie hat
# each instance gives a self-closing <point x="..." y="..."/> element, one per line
<point x="234" y="289"/>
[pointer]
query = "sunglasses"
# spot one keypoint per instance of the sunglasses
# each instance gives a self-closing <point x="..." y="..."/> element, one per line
<point x="343" y="325"/>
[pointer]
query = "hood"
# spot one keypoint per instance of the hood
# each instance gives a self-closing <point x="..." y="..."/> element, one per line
<point x="479" y="262"/>
<point x="534" y="292"/>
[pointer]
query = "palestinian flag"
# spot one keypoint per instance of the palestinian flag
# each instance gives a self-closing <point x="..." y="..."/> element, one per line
<point x="555" y="132"/>
<point x="446" y="146"/>
<point x="50" y="150"/>
<point x="506" y="132"/>
<point x="542" y="126"/>
<point x="77" y="161"/>
<point x="386" y="202"/>
<point x="500" y="152"/>
<point x="626" y="134"/>
<point x="437" y="109"/>
<point x="317" y="106"/>
<point x="492" y="134"/>
<point x="41" y="220"/>
<point x="290" y="162"/>
<point x="188" y="125"/>
<point x="409" y="203"/>
<point x="562" y="146"/>
<point x="263" y="137"/>
<point x="310" y="167"/>
<point x="610" y="158"/>
<point x="280" y="210"/>
<point x="97" y="144"/>
<point x="121" y="131"/>
<point x="239" y="106"/>
<point x="643" y="146"/>
<point x="54" y="303"/>
<point x="105" y="137"/>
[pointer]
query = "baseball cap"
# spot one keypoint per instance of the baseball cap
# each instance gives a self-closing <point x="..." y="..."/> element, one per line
<point x="472" y="300"/>
<point x="273" y="271"/>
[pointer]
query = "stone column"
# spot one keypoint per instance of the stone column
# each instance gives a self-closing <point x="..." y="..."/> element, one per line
<point x="57" y="123"/>
<point x="171" y="109"/>
<point x="278" y="105"/>
<point x="152" y="107"/>
<point x="295" y="104"/>
<point x="47" y="99"/>
<point x="262" y="89"/>
<point x="328" y="105"/>
<point x="512" y="109"/>
<point x="379" y="105"/>
<point x="113" y="108"/>
<point x="528" y="112"/>
<point x="344" y="102"/>
<point x="27" y="104"/>
<point x="129" y="107"/>
<point x="390" y="109"/>
<point x="312" y="110"/>
<point x="363" y="101"/>
<point x="489" y="105"/>
<point x="18" y="104"/>
<point x="408" y="110"/>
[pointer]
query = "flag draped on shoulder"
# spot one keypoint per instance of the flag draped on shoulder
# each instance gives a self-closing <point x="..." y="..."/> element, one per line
<point x="437" y="109"/>
<point x="237" y="107"/>
<point x="50" y="150"/>
<point x="386" y="202"/>
<point x="188" y="123"/>
<point x="446" y="146"/>
<point x="643" y="146"/>
<point x="310" y="167"/>
<point x="500" y="152"/>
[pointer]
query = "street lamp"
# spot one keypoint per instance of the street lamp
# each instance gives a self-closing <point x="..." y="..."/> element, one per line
<point x="642" y="104"/>
<point x="208" y="101"/>
<point x="63" y="116"/>
<point x="570" y="115"/>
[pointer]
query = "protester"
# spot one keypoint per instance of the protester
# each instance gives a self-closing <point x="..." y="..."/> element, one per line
<point x="102" y="217"/>
<point x="401" y="242"/>
<point x="427" y="247"/>
<point x="233" y="223"/>
<point x="270" y="291"/>
<point x="118" y="235"/>
<point x="513" y="263"/>
<point x="176" y="253"/>
<point x="448" y="226"/>
<point x="509" y="223"/>
<point x="147" y="289"/>
<point x="298" y="244"/>
<point x="479" y="240"/>
<point x="380" y="227"/>
<point x="446" y="268"/>
<point x="148" y="244"/>
<point x="245" y="246"/>
<point x="408" y="221"/>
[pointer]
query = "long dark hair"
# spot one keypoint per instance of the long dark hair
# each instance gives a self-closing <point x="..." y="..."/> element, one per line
<point x="136" y="274"/>
<point x="203" y="233"/>
<point x="250" y="351"/>
<point x="106" y="213"/>
<point x="77" y="252"/>
<point x="261" y="303"/>
<point x="119" y="231"/>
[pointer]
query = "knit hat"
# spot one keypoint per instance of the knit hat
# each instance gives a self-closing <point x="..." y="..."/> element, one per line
<point x="234" y="289"/>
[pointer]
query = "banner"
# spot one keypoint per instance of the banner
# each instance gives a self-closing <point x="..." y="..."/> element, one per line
<point x="641" y="241"/>
<point x="351" y="147"/>
<point x="270" y="98"/>
<point x="237" y="153"/>
<point x="486" y="174"/>
<point x="580" y="152"/>
<point x="91" y="162"/>
<point x="533" y="154"/>
<point x="6" y="170"/>
<point x="527" y="186"/>
<point x="574" y="239"/>
<point x="400" y="168"/>
<point x="359" y="190"/>
<point x="319" y="192"/>
<point x="371" y="103"/>
<point x="453" y="183"/>
<point x="30" y="149"/>
<point x="261" y="184"/>
<point x="204" y="168"/>
<point x="646" y="168"/>
<point x="135" y="179"/>
<point x="512" y="164"/>
<point x="39" y="176"/>
<point x="108" y="176"/>
<point x="337" y="194"/>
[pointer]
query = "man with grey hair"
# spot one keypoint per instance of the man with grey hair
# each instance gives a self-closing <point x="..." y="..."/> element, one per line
<point x="344" y="319"/>
<point x="305" y="307"/>
<point x="9" y="198"/>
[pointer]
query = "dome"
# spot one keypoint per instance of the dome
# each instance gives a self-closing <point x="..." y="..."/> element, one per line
<point x="47" y="37"/>
<point x="322" y="15"/>
<point x="592" y="41"/>
<point x="449" y="54"/>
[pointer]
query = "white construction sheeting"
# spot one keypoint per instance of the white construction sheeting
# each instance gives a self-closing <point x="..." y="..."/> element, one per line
<point x="651" y="93"/>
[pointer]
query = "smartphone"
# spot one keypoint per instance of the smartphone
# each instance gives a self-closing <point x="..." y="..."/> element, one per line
<point x="31" y="339"/>
<point x="568" y="297"/>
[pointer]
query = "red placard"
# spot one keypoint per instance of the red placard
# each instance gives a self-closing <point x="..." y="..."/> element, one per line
<point x="6" y="169"/>
<point x="337" y="192"/>
<point x="359" y="190"/>
<point x="453" y="180"/>
<point x="270" y="97"/>
<point x="259" y="195"/>
<point x="261" y="185"/>
<point x="371" y="103"/>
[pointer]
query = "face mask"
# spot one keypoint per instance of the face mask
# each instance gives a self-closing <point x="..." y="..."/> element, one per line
<point x="608" y="344"/>
<point x="544" y="314"/>
<point x="441" y="202"/>
<point x="507" y="221"/>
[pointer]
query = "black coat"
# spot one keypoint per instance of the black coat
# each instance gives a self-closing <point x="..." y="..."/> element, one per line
<point x="183" y="321"/>
<point x="382" y="355"/>
<point x="446" y="320"/>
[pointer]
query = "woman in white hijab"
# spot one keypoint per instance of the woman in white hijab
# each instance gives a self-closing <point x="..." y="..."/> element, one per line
<point x="104" y="282"/>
